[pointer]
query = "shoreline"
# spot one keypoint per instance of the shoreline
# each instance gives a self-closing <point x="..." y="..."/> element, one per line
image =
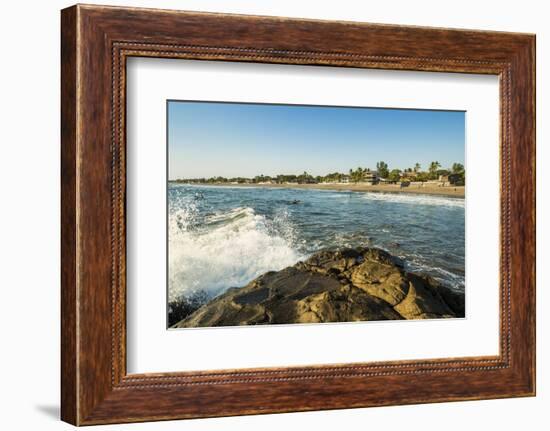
<point x="449" y="191"/>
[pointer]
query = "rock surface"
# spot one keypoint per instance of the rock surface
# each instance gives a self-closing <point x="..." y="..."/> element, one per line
<point x="332" y="286"/>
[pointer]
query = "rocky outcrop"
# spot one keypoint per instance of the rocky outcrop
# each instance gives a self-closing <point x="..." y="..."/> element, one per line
<point x="332" y="286"/>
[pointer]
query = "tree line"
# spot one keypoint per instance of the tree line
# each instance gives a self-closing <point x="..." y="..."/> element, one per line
<point x="456" y="174"/>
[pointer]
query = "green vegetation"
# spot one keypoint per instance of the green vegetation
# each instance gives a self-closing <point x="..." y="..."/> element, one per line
<point x="383" y="170"/>
<point x="434" y="166"/>
<point x="455" y="175"/>
<point x="358" y="175"/>
<point x="458" y="171"/>
<point x="394" y="175"/>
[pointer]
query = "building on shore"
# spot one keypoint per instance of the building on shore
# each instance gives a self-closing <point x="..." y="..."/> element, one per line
<point x="371" y="177"/>
<point x="451" y="179"/>
<point x="408" y="176"/>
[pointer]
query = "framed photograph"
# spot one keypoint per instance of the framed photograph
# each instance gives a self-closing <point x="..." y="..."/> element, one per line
<point x="264" y="215"/>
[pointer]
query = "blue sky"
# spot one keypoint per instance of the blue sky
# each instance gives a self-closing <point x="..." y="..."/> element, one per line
<point x="208" y="139"/>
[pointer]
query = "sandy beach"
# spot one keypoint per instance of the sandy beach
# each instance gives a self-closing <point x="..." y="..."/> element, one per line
<point x="351" y="187"/>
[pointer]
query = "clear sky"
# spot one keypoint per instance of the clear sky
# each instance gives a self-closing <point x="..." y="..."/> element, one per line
<point x="208" y="139"/>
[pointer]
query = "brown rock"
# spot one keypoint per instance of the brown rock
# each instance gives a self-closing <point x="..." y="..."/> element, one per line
<point x="346" y="304"/>
<point x="383" y="281"/>
<point x="332" y="286"/>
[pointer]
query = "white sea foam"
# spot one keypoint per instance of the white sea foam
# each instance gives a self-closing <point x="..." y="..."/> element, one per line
<point x="225" y="249"/>
<point x="413" y="199"/>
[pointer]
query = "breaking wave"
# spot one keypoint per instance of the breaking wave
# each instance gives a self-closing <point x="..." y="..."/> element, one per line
<point x="215" y="251"/>
<point x="413" y="199"/>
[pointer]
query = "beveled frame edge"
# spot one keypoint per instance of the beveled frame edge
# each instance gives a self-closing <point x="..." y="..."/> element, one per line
<point x="96" y="41"/>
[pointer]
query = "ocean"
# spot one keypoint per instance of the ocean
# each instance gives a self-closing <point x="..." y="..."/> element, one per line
<point x="221" y="236"/>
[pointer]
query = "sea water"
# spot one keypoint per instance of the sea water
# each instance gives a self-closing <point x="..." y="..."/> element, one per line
<point x="222" y="236"/>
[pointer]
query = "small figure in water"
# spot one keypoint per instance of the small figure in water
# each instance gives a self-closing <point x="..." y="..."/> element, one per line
<point x="295" y="202"/>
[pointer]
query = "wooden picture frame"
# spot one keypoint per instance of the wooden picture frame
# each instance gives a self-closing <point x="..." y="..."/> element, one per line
<point x="95" y="43"/>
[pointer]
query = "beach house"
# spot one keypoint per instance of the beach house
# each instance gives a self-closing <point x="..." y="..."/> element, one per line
<point x="408" y="175"/>
<point x="449" y="179"/>
<point x="371" y="177"/>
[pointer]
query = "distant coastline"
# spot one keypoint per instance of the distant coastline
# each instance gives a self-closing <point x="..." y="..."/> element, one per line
<point x="427" y="189"/>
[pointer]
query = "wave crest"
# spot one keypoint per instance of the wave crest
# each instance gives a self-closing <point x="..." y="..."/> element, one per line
<point x="214" y="252"/>
<point x="414" y="199"/>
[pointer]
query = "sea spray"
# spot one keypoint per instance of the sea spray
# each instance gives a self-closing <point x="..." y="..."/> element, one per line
<point x="214" y="252"/>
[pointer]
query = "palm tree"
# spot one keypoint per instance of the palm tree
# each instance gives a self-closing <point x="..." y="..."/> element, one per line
<point x="382" y="168"/>
<point x="457" y="168"/>
<point x="358" y="174"/>
<point x="434" y="166"/>
<point x="417" y="167"/>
